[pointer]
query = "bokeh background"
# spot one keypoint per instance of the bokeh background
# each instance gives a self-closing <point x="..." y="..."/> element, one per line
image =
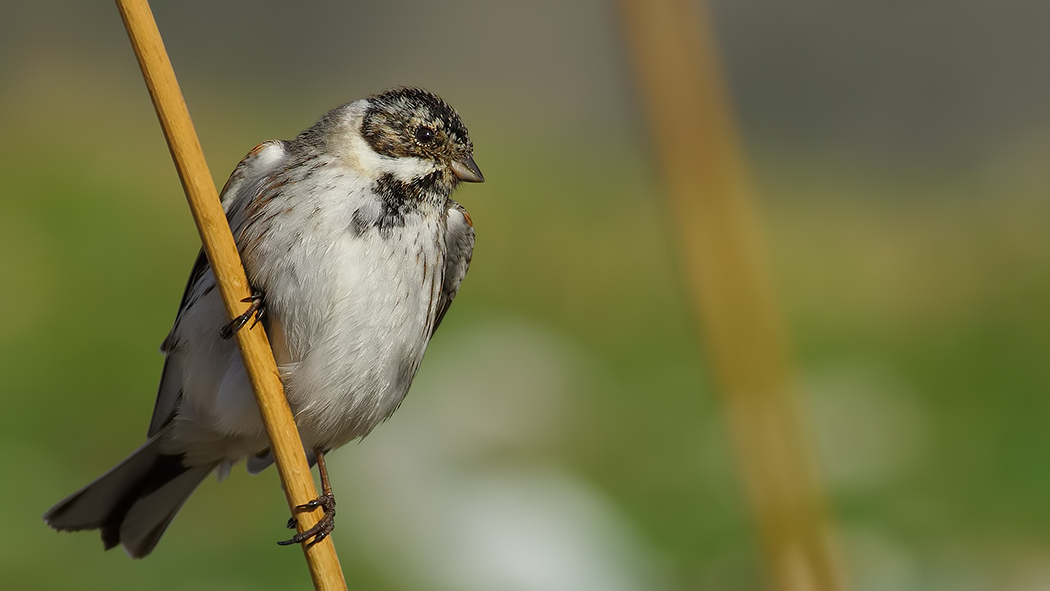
<point x="563" y="433"/>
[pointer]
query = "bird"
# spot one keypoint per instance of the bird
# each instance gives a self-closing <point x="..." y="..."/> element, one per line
<point x="354" y="250"/>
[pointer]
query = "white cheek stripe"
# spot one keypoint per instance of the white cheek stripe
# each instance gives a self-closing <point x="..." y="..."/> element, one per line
<point x="408" y="169"/>
<point x="366" y="162"/>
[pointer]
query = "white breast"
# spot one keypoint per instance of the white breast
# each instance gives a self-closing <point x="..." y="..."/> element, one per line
<point x="351" y="312"/>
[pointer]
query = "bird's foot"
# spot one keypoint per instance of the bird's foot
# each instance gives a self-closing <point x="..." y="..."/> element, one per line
<point x="257" y="307"/>
<point x="321" y="529"/>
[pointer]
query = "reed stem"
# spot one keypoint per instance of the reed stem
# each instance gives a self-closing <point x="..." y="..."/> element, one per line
<point x="233" y="283"/>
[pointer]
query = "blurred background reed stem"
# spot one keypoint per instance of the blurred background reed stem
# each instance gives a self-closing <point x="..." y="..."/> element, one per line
<point x="722" y="256"/>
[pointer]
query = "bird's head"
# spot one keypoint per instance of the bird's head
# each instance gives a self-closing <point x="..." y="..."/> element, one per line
<point x="405" y="135"/>
<point x="414" y="123"/>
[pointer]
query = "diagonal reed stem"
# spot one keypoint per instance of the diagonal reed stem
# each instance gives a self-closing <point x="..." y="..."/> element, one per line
<point x="233" y="284"/>
<point x="720" y="248"/>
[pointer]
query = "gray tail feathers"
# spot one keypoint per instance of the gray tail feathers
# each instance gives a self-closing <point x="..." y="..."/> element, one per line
<point x="134" y="502"/>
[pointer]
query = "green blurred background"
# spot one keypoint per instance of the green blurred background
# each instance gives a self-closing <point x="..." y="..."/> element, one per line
<point x="563" y="433"/>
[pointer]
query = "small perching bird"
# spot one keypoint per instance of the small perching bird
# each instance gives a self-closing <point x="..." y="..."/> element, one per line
<point x="354" y="250"/>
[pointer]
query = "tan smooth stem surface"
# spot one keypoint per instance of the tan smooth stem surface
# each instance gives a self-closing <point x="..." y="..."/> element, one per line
<point x="233" y="284"/>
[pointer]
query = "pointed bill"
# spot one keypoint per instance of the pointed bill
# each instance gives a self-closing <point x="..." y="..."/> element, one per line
<point x="467" y="170"/>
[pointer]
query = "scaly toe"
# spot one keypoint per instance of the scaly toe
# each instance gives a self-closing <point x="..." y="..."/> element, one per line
<point x="321" y="529"/>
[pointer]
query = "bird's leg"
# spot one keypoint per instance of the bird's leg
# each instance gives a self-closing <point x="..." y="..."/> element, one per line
<point x="257" y="307"/>
<point x="326" y="501"/>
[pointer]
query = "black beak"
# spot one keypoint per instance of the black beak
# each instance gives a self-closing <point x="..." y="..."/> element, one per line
<point x="467" y="170"/>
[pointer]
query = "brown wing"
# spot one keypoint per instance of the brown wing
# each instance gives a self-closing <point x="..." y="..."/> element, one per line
<point x="241" y="187"/>
<point x="459" y="246"/>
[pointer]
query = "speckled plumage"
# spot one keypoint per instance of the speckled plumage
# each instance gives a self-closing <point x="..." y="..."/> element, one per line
<point x="350" y="232"/>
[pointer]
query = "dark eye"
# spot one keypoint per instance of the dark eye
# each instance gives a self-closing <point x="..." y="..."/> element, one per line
<point x="424" y="135"/>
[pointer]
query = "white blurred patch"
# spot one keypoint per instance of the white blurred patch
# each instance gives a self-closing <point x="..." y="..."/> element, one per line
<point x="870" y="427"/>
<point x="453" y="492"/>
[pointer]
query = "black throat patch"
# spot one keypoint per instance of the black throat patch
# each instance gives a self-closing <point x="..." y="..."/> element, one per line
<point x="398" y="200"/>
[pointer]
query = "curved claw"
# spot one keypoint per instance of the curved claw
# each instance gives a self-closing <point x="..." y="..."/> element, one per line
<point x="257" y="307"/>
<point x="321" y="529"/>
